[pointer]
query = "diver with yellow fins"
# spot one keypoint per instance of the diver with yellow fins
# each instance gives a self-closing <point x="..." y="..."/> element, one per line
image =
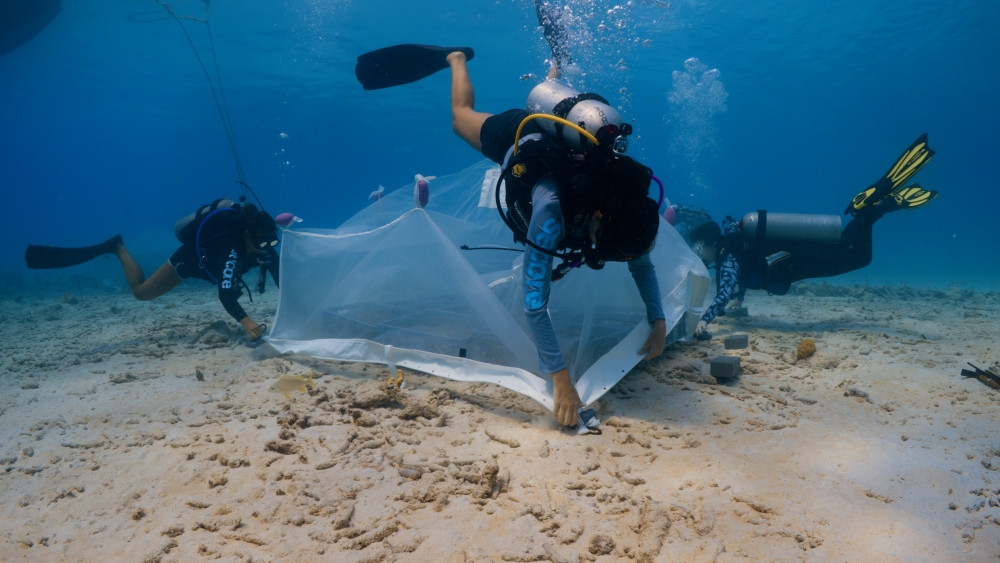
<point x="571" y="192"/>
<point x="770" y="251"/>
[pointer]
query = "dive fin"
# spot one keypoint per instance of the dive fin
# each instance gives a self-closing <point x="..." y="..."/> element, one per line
<point x="402" y="64"/>
<point x="984" y="375"/>
<point x="908" y="164"/>
<point x="910" y="197"/>
<point x="48" y="257"/>
<point x="555" y="33"/>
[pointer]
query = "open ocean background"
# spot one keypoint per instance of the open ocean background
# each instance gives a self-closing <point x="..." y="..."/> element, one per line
<point x="108" y="125"/>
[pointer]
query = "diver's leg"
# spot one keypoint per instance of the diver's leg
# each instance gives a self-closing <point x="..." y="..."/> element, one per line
<point x="817" y="260"/>
<point x="163" y="280"/>
<point x="856" y="240"/>
<point x="555" y="35"/>
<point x="466" y="122"/>
<point x="133" y="273"/>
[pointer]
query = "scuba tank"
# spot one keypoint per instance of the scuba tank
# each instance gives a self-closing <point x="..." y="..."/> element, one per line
<point x="590" y="111"/>
<point x="186" y="228"/>
<point x="791" y="226"/>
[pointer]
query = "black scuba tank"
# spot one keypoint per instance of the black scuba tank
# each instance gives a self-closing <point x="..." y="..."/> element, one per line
<point x="186" y="228"/>
<point x="764" y="225"/>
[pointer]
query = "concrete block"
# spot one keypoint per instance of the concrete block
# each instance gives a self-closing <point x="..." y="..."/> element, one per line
<point x="725" y="367"/>
<point x="737" y="342"/>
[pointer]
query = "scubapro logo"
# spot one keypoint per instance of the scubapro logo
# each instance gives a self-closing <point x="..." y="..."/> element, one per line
<point x="537" y="269"/>
<point x="230" y="270"/>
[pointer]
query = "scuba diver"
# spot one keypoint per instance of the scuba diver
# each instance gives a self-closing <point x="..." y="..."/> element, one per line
<point x="571" y="192"/>
<point x="770" y="251"/>
<point x="220" y="242"/>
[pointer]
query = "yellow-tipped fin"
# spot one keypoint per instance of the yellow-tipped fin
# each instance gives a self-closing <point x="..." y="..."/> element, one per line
<point x="911" y="196"/>
<point x="908" y="164"/>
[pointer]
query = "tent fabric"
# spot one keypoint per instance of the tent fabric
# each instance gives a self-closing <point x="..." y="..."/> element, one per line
<point x="393" y="285"/>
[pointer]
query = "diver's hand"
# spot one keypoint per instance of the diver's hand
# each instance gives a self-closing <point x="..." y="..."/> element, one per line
<point x="566" y="401"/>
<point x="656" y="341"/>
<point x="253" y="330"/>
<point x="700" y="329"/>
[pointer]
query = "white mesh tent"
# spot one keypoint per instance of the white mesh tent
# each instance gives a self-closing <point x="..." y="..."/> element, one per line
<point x="392" y="285"/>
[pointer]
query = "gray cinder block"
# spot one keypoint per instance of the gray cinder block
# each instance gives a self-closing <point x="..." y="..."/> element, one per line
<point x="737" y="342"/>
<point x="726" y="367"/>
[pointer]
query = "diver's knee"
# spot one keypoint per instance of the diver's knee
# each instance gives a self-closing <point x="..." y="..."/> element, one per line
<point x="141" y="296"/>
<point x="143" y="293"/>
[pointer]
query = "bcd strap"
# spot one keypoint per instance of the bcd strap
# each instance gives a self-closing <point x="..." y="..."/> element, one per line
<point x="563" y="108"/>
<point x="761" y="224"/>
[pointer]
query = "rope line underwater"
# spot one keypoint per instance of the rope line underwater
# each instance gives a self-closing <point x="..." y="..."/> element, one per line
<point x="216" y="88"/>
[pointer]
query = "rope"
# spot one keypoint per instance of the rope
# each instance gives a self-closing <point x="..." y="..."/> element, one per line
<point x="218" y="93"/>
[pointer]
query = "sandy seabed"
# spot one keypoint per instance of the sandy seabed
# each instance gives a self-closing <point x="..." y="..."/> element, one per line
<point x="146" y="432"/>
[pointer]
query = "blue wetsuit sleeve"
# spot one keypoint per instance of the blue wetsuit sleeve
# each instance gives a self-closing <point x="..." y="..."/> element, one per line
<point x="546" y="230"/>
<point x="644" y="274"/>
<point x="728" y="274"/>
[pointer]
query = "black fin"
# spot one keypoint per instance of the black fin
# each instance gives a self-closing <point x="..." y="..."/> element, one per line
<point x="555" y="33"/>
<point x="402" y="64"/>
<point x="48" y="257"/>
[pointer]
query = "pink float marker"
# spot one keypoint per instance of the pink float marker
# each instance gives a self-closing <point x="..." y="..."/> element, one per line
<point x="421" y="190"/>
<point x="670" y="214"/>
<point x="284" y="220"/>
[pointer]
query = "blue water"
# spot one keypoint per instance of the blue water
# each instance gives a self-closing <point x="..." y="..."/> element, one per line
<point x="109" y="126"/>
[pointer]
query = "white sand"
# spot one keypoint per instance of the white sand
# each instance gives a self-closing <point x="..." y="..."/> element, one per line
<point x="874" y="449"/>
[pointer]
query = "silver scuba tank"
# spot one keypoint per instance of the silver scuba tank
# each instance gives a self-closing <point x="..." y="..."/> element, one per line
<point x="589" y="111"/>
<point x="791" y="226"/>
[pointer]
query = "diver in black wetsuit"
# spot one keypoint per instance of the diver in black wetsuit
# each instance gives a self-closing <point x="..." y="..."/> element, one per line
<point x="773" y="255"/>
<point x="220" y="245"/>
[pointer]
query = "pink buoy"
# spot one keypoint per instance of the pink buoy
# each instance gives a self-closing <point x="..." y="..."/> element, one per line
<point x="286" y="220"/>
<point x="422" y="190"/>
<point x="670" y="214"/>
<point x="421" y="193"/>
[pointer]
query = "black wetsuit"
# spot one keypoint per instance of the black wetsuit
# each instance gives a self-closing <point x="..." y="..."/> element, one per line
<point x="223" y="258"/>
<point x="744" y="263"/>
